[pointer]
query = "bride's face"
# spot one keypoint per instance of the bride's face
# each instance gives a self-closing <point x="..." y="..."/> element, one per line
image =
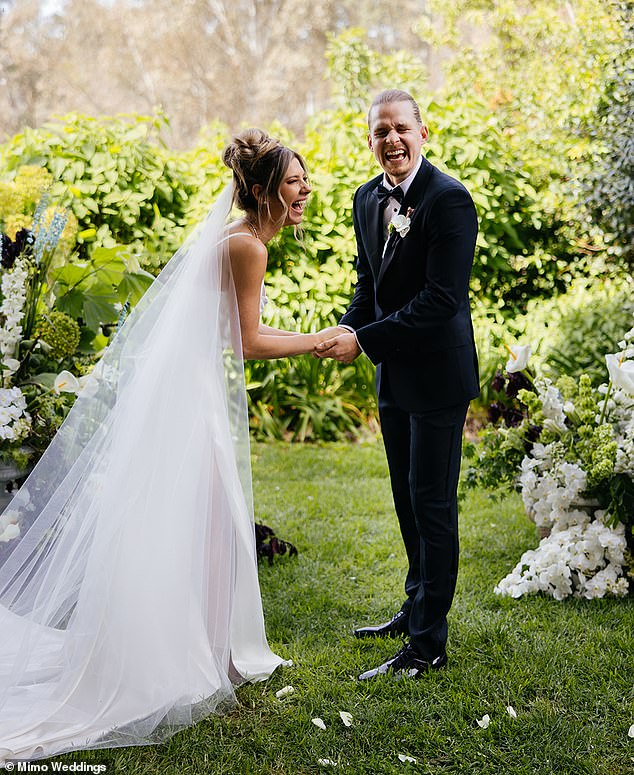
<point x="294" y="192"/>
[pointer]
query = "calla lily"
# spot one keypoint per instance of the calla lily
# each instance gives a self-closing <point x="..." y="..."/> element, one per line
<point x="284" y="692"/>
<point x="621" y="372"/>
<point x="407" y="759"/>
<point x="630" y="731"/>
<point x="12" y="364"/>
<point x="484" y="721"/>
<point x="65" y="382"/>
<point x="511" y="711"/>
<point x="519" y="357"/>
<point x="318" y="722"/>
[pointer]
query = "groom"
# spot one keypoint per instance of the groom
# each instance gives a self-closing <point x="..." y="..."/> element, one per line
<point x="410" y="315"/>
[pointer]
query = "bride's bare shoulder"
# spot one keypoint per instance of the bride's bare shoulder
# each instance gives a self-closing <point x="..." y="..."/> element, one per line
<point x="247" y="253"/>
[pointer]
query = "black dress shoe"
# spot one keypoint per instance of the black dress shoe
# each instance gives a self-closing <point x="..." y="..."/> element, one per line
<point x="398" y="625"/>
<point x="406" y="662"/>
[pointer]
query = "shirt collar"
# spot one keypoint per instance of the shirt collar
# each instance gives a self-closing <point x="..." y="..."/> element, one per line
<point x="405" y="184"/>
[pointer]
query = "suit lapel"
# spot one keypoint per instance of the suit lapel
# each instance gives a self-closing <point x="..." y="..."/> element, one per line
<point x="413" y="197"/>
<point x="374" y="227"/>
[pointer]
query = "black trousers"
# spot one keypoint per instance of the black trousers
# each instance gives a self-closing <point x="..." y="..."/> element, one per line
<point x="423" y="453"/>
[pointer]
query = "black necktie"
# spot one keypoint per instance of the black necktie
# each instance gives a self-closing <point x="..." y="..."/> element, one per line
<point x="384" y="194"/>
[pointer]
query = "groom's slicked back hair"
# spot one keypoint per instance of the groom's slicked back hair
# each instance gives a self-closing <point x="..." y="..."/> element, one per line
<point x="395" y="95"/>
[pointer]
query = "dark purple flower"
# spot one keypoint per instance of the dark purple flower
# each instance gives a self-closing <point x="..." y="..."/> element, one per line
<point x="533" y="433"/>
<point x="11" y="249"/>
<point x="498" y="382"/>
<point x="517" y="381"/>
<point x="23" y="242"/>
<point x="512" y="416"/>
<point x="495" y="412"/>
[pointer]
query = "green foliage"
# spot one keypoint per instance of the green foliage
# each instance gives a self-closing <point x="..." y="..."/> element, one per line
<point x="520" y="254"/>
<point x="572" y="333"/>
<point x="609" y="186"/>
<point x="92" y="290"/>
<point x="116" y="178"/>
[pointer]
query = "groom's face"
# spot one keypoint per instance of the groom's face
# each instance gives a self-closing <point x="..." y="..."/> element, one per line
<point x="396" y="138"/>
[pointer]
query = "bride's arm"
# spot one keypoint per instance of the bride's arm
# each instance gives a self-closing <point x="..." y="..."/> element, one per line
<point x="274" y="331"/>
<point x="248" y="262"/>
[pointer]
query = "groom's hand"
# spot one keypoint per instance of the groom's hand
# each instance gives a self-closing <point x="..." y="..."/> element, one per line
<point x="343" y="348"/>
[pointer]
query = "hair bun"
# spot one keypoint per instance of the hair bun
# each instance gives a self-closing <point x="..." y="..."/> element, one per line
<point x="247" y="148"/>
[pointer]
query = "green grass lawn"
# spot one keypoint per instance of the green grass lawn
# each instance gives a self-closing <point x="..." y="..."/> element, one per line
<point x="566" y="668"/>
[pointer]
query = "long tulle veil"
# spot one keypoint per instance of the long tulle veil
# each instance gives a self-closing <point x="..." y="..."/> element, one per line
<point x="129" y="605"/>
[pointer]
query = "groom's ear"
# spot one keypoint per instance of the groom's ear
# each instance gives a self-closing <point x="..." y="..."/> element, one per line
<point x="370" y="146"/>
<point x="424" y="133"/>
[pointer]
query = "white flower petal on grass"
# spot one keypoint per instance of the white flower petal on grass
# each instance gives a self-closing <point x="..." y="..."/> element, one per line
<point x="630" y="731"/>
<point x="520" y="355"/>
<point x="284" y="692"/>
<point x="511" y="711"/>
<point x="326" y="763"/>
<point x="318" y="722"/>
<point x="404" y="758"/>
<point x="346" y="718"/>
<point x="484" y="721"/>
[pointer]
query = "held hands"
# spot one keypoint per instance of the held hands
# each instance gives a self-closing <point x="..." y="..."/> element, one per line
<point x="337" y="343"/>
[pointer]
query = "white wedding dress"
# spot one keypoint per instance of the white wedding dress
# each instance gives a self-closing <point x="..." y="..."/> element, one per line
<point x="130" y="605"/>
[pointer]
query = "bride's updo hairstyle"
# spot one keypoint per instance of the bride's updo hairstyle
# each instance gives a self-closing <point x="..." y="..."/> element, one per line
<point x="257" y="159"/>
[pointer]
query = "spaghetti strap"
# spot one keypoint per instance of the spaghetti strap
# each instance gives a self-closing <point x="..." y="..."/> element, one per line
<point x="235" y="234"/>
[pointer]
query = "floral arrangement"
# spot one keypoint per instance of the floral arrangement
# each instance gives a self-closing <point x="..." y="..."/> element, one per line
<point x="34" y="339"/>
<point x="569" y="449"/>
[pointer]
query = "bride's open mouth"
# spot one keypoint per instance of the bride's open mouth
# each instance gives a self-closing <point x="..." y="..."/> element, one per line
<point x="298" y="206"/>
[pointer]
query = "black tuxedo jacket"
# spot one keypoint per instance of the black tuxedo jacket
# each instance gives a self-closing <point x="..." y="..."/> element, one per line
<point x="410" y="308"/>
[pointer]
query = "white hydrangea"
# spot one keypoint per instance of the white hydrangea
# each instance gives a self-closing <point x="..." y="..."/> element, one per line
<point x="584" y="559"/>
<point x="15" y="421"/>
<point x="550" y="486"/>
<point x="13" y="288"/>
<point x="552" y="405"/>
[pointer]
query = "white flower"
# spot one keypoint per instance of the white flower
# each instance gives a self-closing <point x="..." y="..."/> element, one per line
<point x="318" y="722"/>
<point x="621" y="372"/>
<point x="10" y="532"/>
<point x="405" y="758"/>
<point x="346" y="718"/>
<point x="630" y="731"/>
<point x="13" y="289"/>
<point x="400" y="224"/>
<point x="11" y="364"/>
<point x="65" y="382"/>
<point x="511" y="711"/>
<point x="284" y="692"/>
<point x="519" y="357"/>
<point x="484" y="721"/>
<point x="326" y="763"/>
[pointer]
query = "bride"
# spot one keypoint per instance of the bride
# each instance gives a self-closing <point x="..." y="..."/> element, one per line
<point x="130" y="605"/>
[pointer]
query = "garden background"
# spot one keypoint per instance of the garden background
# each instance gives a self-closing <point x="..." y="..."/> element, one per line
<point x="119" y="111"/>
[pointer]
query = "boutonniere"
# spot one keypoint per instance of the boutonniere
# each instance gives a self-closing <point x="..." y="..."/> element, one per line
<point x="401" y="223"/>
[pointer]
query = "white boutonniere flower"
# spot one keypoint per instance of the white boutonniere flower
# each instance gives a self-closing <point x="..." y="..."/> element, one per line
<point x="401" y="223"/>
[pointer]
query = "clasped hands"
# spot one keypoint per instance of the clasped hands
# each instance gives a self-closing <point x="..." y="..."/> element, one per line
<point x="338" y="343"/>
